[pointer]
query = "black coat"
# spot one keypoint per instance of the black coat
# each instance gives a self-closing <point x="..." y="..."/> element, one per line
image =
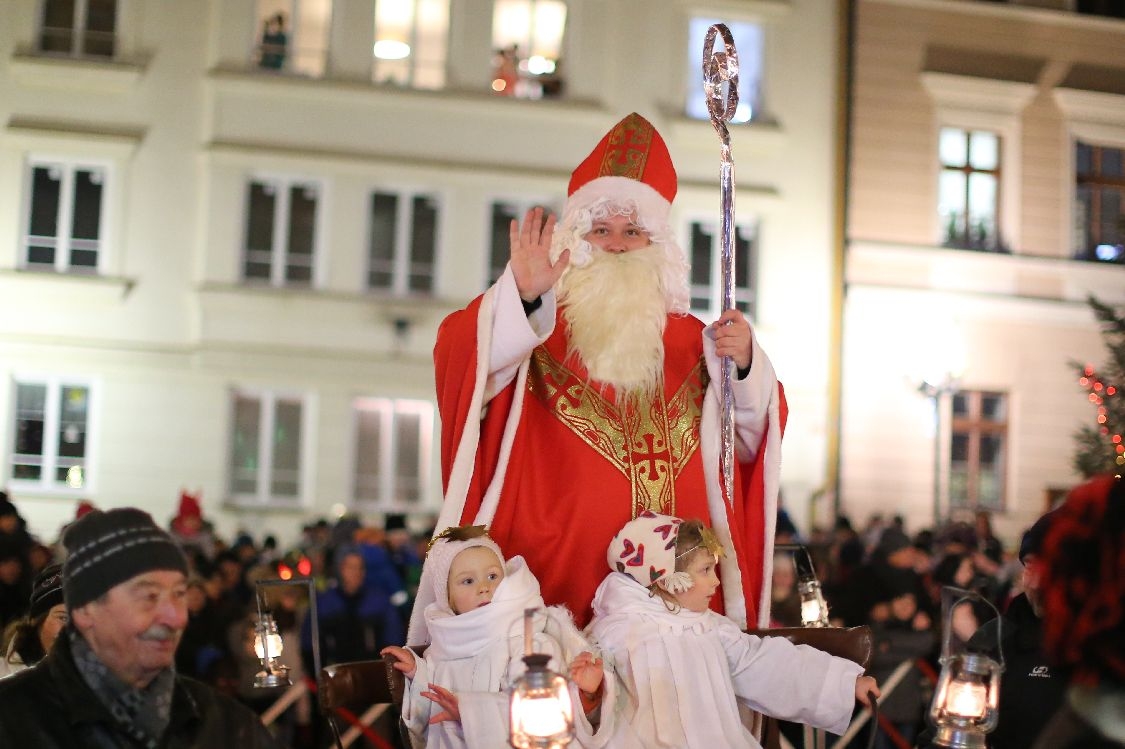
<point x="50" y="706"/>
<point x="1031" y="688"/>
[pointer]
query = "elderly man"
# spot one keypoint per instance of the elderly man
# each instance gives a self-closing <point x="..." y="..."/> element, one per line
<point x="578" y="392"/>
<point x="109" y="679"/>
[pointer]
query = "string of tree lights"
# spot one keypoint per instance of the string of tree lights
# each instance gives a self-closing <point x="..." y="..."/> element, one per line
<point x="1100" y="447"/>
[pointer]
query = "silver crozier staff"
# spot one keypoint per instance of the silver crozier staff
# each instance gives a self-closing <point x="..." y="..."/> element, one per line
<point x="720" y="86"/>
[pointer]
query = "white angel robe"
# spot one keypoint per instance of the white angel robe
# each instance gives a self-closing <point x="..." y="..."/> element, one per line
<point x="478" y="656"/>
<point x="681" y="673"/>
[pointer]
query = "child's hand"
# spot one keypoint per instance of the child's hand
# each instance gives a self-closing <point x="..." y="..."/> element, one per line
<point x="405" y="660"/>
<point x="586" y="671"/>
<point x="863" y="685"/>
<point x="445" y="700"/>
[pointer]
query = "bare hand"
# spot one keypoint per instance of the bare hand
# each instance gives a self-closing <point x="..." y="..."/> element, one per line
<point x="404" y="660"/>
<point x="586" y="671"/>
<point x="445" y="700"/>
<point x="531" y="255"/>
<point x="863" y="685"/>
<point x="733" y="338"/>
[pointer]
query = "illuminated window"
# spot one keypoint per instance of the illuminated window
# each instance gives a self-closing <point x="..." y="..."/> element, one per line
<point x="51" y="445"/>
<point x="281" y="218"/>
<point x="527" y="36"/>
<point x="978" y="454"/>
<point x="969" y="189"/>
<point x="1099" y="221"/>
<point x="82" y="28"/>
<point x="402" y="249"/>
<point x="293" y="35"/>
<point x="65" y="210"/>
<point x="705" y="256"/>
<point x="393" y="443"/>
<point x="411" y="41"/>
<point x="266" y="445"/>
<point x="748" y="40"/>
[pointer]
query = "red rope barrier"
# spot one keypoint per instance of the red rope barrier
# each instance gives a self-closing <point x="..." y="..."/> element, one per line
<point x="351" y="719"/>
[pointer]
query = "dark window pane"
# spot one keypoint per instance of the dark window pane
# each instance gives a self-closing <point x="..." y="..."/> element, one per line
<point x="960" y="404"/>
<point x="960" y="447"/>
<point x="56" y="34"/>
<point x="261" y="204"/>
<point x="381" y="256"/>
<point x="991" y="450"/>
<point x="302" y="234"/>
<point x="992" y="407"/>
<point x="408" y="441"/>
<point x="31" y="405"/>
<point x="286" y="479"/>
<point x="700" y="256"/>
<point x="87" y="204"/>
<point x="1111" y="162"/>
<point x="499" y="249"/>
<point x="43" y="223"/>
<point x="1083" y="159"/>
<point x="101" y="22"/>
<point x="369" y="451"/>
<point x="244" y="448"/>
<point x="423" y="243"/>
<point x="742" y="253"/>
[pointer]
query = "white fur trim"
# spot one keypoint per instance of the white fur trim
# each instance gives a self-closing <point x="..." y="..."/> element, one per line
<point x="677" y="582"/>
<point x="651" y="204"/>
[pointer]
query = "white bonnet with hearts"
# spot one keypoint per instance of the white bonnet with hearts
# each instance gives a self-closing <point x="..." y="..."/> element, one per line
<point x="645" y="550"/>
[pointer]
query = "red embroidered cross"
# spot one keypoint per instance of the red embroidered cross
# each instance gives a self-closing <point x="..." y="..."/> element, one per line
<point x="651" y="457"/>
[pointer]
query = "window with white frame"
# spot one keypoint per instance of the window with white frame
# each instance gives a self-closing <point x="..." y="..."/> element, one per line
<point x="978" y="454"/>
<point x="705" y="255"/>
<point x="969" y="189"/>
<point x="402" y="242"/>
<point x="51" y="448"/>
<point x="393" y="448"/>
<point x="281" y="232"/>
<point x="293" y="35"/>
<point x="411" y="42"/>
<point x="78" y="28"/>
<point x="527" y="36"/>
<point x="267" y="435"/>
<point x="502" y="213"/>
<point x="65" y="209"/>
<point x="749" y="40"/>
<point x="1099" y="203"/>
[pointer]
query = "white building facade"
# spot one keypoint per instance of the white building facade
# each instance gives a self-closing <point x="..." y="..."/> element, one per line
<point x="226" y="242"/>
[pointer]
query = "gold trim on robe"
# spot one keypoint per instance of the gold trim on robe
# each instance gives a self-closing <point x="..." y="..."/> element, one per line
<point x="648" y="440"/>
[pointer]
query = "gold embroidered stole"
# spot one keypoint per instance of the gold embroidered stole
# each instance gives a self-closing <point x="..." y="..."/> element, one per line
<point x="649" y="441"/>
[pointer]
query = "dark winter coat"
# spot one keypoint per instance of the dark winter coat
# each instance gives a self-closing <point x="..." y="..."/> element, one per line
<point x="50" y="706"/>
<point x="1031" y="688"/>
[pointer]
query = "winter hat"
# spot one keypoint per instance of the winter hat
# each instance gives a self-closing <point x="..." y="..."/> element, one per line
<point x="446" y="545"/>
<point x="395" y="522"/>
<point x="1033" y="537"/>
<point x="891" y="541"/>
<point x="46" y="591"/>
<point x="645" y="550"/>
<point x="84" y="508"/>
<point x="107" y="548"/>
<point x="6" y="506"/>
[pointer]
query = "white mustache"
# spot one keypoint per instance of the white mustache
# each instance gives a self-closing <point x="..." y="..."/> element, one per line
<point x="160" y="632"/>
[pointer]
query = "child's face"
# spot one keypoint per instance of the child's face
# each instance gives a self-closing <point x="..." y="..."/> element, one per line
<point x="473" y="578"/>
<point x="705" y="581"/>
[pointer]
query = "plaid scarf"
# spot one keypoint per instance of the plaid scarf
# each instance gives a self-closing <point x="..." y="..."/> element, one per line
<point x="142" y="714"/>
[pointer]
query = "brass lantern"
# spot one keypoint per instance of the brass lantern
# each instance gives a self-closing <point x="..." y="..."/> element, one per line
<point x="966" y="701"/>
<point x="541" y="711"/>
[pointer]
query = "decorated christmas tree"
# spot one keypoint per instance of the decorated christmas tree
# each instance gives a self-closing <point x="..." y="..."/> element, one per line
<point x="1099" y="446"/>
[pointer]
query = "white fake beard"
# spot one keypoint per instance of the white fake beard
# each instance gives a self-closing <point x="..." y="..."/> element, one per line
<point x="615" y="308"/>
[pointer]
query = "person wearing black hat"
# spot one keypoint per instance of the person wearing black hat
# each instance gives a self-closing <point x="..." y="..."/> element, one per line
<point x="27" y="640"/>
<point x="109" y="680"/>
<point x="1032" y="688"/>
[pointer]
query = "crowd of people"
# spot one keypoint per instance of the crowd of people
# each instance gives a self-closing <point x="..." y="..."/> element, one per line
<point x="649" y="564"/>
